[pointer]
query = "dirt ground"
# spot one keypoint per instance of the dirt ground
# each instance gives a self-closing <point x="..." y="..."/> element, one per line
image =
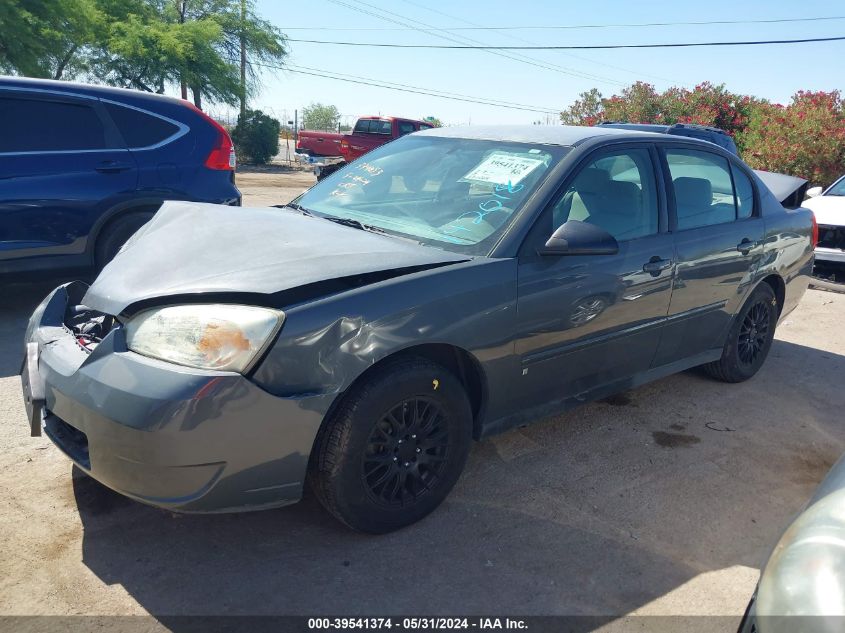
<point x="662" y="500"/>
<point x="272" y="185"/>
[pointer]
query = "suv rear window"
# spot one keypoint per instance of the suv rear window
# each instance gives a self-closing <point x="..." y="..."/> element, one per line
<point x="138" y="128"/>
<point x="36" y="125"/>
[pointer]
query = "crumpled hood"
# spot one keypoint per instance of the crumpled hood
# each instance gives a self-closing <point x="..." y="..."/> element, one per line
<point x="828" y="210"/>
<point x="190" y="248"/>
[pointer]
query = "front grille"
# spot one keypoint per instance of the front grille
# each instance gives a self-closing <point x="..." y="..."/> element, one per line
<point x="72" y="441"/>
<point x="831" y="236"/>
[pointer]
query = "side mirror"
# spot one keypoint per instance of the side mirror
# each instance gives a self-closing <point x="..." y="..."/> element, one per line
<point x="578" y="238"/>
<point x="812" y="192"/>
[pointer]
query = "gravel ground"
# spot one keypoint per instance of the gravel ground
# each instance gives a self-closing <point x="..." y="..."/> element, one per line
<point x="662" y="500"/>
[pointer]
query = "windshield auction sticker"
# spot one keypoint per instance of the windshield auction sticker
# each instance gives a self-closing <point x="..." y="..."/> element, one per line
<point x="501" y="168"/>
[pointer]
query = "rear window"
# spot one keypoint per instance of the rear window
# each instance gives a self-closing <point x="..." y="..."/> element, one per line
<point x="35" y="125"/>
<point x="140" y="129"/>
<point x="373" y="126"/>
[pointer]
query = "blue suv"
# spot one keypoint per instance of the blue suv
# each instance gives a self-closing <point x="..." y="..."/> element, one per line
<point x="83" y="167"/>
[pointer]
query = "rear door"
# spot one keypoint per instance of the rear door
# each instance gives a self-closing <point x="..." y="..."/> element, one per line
<point x="714" y="214"/>
<point x="589" y="320"/>
<point x="63" y="164"/>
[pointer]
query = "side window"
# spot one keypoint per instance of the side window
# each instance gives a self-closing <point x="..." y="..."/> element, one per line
<point x="381" y="127"/>
<point x="405" y="127"/>
<point x="362" y="127"/>
<point x="744" y="193"/>
<point x="704" y="195"/>
<point x="616" y="192"/>
<point x="138" y="128"/>
<point x="33" y="125"/>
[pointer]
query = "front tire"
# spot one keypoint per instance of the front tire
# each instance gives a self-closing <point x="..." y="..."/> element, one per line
<point x="394" y="448"/>
<point x="749" y="339"/>
<point x="116" y="233"/>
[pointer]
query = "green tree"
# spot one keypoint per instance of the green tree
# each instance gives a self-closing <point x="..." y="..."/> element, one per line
<point x="587" y="109"/>
<point x="238" y="25"/>
<point x="433" y="120"/>
<point x="143" y="44"/>
<point x="46" y="39"/>
<point x="318" y="116"/>
<point x="256" y="136"/>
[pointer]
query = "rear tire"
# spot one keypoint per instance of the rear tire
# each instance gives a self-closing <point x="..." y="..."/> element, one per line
<point x="115" y="234"/>
<point x="394" y="448"/>
<point x="749" y="339"/>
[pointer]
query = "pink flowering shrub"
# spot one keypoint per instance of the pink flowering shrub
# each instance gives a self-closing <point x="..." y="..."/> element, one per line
<point x="805" y="138"/>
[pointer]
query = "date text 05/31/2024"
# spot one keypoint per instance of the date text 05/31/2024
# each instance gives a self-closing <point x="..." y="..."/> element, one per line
<point x="416" y="624"/>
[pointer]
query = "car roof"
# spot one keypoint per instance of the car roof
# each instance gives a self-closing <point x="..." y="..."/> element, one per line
<point x="567" y="135"/>
<point x="72" y="87"/>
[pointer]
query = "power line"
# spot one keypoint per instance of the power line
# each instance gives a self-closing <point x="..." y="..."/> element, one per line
<point x="412" y="89"/>
<point x="432" y="30"/>
<point x="576" y="47"/>
<point x="577" y="26"/>
<point x="422" y="92"/>
<point x="431" y="90"/>
<point x="639" y="74"/>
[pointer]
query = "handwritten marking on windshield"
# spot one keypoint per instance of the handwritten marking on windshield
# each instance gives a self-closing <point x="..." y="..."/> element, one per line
<point x="485" y="208"/>
<point x="354" y="180"/>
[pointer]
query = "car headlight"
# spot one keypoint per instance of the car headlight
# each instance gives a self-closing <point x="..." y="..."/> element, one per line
<point x="207" y="336"/>
<point x="805" y="575"/>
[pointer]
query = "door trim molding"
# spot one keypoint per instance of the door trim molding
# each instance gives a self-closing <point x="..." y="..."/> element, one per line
<point x="562" y="350"/>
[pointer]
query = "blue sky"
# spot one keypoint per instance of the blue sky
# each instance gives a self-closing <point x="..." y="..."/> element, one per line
<point x="773" y="72"/>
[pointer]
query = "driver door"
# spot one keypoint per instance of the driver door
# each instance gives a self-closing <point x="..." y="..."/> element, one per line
<point x="585" y="321"/>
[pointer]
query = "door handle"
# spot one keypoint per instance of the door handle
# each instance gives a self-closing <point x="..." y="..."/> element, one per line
<point x="746" y="246"/>
<point x="112" y="167"/>
<point x="656" y="265"/>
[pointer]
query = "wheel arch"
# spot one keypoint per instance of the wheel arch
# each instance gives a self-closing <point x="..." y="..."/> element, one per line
<point x="465" y="366"/>
<point x="778" y="286"/>
<point x="116" y="212"/>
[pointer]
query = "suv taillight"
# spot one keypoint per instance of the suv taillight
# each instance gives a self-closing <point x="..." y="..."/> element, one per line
<point x="222" y="154"/>
<point x="815" y="230"/>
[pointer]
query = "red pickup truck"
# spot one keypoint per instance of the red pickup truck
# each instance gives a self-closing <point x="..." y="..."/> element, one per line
<point x="369" y="132"/>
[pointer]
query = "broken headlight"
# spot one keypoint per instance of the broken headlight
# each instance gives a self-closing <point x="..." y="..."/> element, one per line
<point x="207" y="336"/>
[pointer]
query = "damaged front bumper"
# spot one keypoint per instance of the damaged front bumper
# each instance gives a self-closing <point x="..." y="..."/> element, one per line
<point x="171" y="436"/>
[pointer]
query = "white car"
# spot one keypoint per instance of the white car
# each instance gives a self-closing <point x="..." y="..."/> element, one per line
<point x="829" y="207"/>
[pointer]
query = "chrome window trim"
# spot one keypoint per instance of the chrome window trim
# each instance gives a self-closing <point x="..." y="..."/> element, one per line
<point x="183" y="128"/>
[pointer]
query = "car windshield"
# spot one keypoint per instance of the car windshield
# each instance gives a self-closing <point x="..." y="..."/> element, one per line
<point x="456" y="194"/>
<point x="838" y="188"/>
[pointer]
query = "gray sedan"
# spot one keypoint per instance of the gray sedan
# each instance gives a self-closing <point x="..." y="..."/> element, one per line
<point x="449" y="285"/>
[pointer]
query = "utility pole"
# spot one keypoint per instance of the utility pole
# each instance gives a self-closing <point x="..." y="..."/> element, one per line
<point x="180" y="6"/>
<point x="243" y="59"/>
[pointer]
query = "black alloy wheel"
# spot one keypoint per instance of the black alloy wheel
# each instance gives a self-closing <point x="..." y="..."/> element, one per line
<point x="749" y="338"/>
<point x="394" y="446"/>
<point x="407" y="451"/>
<point x="753" y="333"/>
